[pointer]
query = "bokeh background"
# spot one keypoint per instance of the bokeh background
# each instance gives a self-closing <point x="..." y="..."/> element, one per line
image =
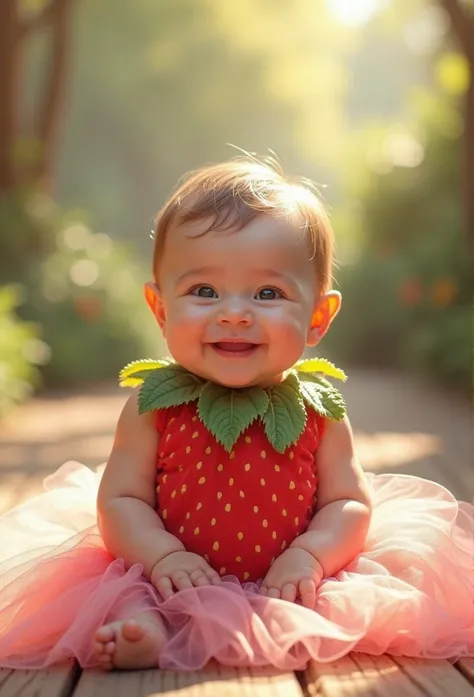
<point x="104" y="105"/>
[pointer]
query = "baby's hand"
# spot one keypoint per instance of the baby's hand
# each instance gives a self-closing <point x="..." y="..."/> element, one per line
<point x="294" y="574"/>
<point x="181" y="570"/>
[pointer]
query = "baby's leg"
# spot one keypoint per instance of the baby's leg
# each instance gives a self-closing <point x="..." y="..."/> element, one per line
<point x="133" y="638"/>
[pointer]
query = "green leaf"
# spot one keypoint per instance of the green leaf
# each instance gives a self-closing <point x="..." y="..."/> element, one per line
<point x="134" y="373"/>
<point x="227" y="412"/>
<point x="168" y="387"/>
<point x="285" y="417"/>
<point x="325" y="399"/>
<point x="320" y="365"/>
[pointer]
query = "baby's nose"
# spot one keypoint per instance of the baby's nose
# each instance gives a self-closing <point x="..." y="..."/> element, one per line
<point x="235" y="312"/>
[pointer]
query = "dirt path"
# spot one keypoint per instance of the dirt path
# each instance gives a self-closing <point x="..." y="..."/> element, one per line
<point x="399" y="425"/>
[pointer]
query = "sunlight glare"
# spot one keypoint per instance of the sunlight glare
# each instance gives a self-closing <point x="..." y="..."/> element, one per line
<point x="355" y="12"/>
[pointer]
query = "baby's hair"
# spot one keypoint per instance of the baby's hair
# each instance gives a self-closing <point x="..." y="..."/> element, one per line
<point x="231" y="194"/>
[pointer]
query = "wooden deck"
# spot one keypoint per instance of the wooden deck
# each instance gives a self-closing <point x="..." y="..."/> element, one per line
<point x="400" y="426"/>
<point x="356" y="674"/>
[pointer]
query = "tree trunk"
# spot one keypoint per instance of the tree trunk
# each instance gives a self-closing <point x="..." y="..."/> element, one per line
<point x="53" y="97"/>
<point x="468" y="159"/>
<point x="9" y="91"/>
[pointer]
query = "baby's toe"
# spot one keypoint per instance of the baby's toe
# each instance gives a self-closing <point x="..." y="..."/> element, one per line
<point x="104" y="634"/>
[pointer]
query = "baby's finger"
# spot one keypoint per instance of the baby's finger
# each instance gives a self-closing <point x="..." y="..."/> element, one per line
<point x="199" y="578"/>
<point x="288" y="592"/>
<point x="213" y="576"/>
<point x="273" y="592"/>
<point x="181" y="580"/>
<point x="164" y="587"/>
<point x="263" y="590"/>
<point x="307" y="591"/>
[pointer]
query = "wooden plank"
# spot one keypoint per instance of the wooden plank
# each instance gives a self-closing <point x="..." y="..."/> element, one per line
<point x="436" y="678"/>
<point x="466" y="667"/>
<point x="215" y="681"/>
<point x="58" y="681"/>
<point x="384" y="676"/>
<point x="358" y="674"/>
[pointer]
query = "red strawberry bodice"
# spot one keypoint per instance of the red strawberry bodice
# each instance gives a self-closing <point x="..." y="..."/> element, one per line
<point x="239" y="510"/>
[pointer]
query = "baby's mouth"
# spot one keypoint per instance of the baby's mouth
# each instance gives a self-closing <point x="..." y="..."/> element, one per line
<point x="239" y="349"/>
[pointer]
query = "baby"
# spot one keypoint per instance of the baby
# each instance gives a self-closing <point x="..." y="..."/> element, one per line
<point x="242" y="274"/>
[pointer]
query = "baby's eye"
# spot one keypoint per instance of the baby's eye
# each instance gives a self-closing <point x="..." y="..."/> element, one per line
<point x="204" y="292"/>
<point x="268" y="294"/>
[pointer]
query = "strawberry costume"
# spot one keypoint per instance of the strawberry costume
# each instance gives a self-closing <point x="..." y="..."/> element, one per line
<point x="236" y="481"/>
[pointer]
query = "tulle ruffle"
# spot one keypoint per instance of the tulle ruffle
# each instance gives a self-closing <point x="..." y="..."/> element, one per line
<point x="409" y="593"/>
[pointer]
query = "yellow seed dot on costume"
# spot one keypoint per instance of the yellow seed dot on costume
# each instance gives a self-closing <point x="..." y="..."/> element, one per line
<point x="262" y="481"/>
<point x="258" y="548"/>
<point x="199" y="465"/>
<point x="188" y="449"/>
<point x="300" y="497"/>
<point x="181" y="468"/>
<point x="213" y="521"/>
<point x="227" y="507"/>
<point x="165" y="477"/>
<point x="238" y="559"/>
<point x="222" y="571"/>
<point x="308" y="482"/>
<point x="196" y="531"/>
<point x="240" y="535"/>
<point x="241" y="494"/>
<point x="255" y="509"/>
<point x="274" y="535"/>
<point x="297" y="520"/>
<point x="246" y="575"/>
<point x="272" y="560"/>
<point x="231" y="481"/>
<point x="265" y="523"/>
<point x="164" y="514"/>
<point x="199" y="506"/>
<point x="274" y="498"/>
<point x="291" y="455"/>
<point x="276" y="468"/>
<point x="247" y="439"/>
<point x="172" y="420"/>
<point x="232" y="455"/>
<point x="292" y="485"/>
<point x="283" y="545"/>
<point x="300" y="470"/>
<point x="181" y="530"/>
<point x="202" y="480"/>
<point x="206" y="557"/>
<point x="173" y="493"/>
<point x="215" y="546"/>
<point x="220" y="468"/>
<point x="194" y="419"/>
<point x="168" y="436"/>
<point x="208" y="450"/>
<point x="195" y="434"/>
<point x="182" y="427"/>
<point x="263" y="454"/>
<point x="219" y="495"/>
<point x="284" y="512"/>
<point x="247" y="466"/>
<point x="158" y="488"/>
<point x="172" y="455"/>
<point x="183" y="489"/>
<point x="188" y="515"/>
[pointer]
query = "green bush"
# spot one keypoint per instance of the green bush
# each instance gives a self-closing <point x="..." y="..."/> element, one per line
<point x="21" y="351"/>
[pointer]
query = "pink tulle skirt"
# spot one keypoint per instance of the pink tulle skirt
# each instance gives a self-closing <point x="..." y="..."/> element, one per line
<point x="409" y="593"/>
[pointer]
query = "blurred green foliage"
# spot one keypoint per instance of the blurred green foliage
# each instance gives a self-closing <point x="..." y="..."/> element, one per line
<point x="408" y="293"/>
<point x="20" y="351"/>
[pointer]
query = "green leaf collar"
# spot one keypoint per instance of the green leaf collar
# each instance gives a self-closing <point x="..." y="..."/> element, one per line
<point x="227" y="412"/>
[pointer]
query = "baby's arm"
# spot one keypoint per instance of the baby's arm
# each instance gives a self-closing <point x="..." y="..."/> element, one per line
<point x="338" y="531"/>
<point x="128" y="522"/>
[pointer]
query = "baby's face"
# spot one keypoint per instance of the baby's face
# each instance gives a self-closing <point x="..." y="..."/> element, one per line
<point x="237" y="306"/>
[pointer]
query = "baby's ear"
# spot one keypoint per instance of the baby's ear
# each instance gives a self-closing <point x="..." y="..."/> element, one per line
<point x="325" y="311"/>
<point x="155" y="303"/>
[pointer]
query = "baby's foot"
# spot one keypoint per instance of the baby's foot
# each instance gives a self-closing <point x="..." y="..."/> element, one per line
<point x="134" y="643"/>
